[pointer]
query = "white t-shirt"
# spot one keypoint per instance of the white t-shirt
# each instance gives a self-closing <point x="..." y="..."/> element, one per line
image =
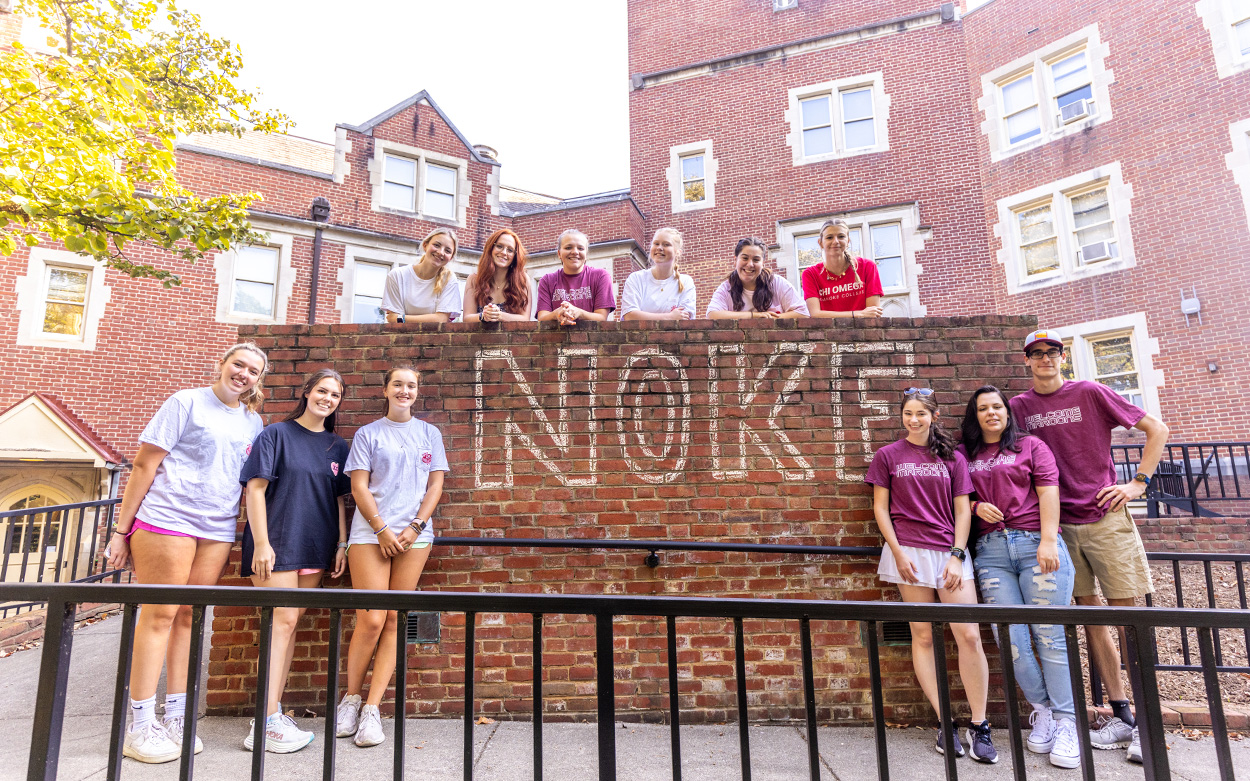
<point x="399" y="458"/>
<point x="196" y="489"/>
<point x="644" y="293"/>
<point x="407" y="294"/>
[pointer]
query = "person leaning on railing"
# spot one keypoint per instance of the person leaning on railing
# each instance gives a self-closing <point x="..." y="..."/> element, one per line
<point x="842" y="285"/>
<point x="575" y="291"/>
<point x="1022" y="560"/>
<point x="426" y="292"/>
<point x="920" y="500"/>
<point x="751" y="290"/>
<point x="397" y="464"/>
<point x="177" y="523"/>
<point x="500" y="290"/>
<point x="1075" y="419"/>
<point x="660" y="292"/>
<point x="296" y="527"/>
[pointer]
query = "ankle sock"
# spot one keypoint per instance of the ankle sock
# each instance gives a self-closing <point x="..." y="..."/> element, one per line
<point x="1120" y="709"/>
<point x="143" y="712"/>
<point x="175" y="705"/>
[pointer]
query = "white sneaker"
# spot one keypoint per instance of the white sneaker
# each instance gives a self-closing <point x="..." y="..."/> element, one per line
<point x="173" y="726"/>
<point x="151" y="744"/>
<point x="1111" y="733"/>
<point x="1134" y="748"/>
<point x="282" y="735"/>
<point x="1042" y="738"/>
<point x="369" y="733"/>
<point x="347" y="717"/>
<point x="1066" y="752"/>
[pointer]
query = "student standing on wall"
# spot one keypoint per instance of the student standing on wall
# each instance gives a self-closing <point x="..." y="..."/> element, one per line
<point x="1076" y="419"/>
<point x="296" y="527"/>
<point x="660" y="292"/>
<point x="575" y="291"/>
<point x="177" y="523"/>
<point x="426" y="292"/>
<point x="752" y="290"/>
<point x="1022" y="560"/>
<point x="500" y="289"/>
<point x="397" y="464"/>
<point x="843" y="286"/>
<point x="920" y="500"/>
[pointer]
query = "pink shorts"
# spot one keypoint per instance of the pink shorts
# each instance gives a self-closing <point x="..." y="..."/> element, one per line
<point x="147" y="527"/>
<point x="313" y="571"/>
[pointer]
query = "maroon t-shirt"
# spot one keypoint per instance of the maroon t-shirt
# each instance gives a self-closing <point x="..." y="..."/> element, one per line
<point x="1076" y="422"/>
<point x="843" y="293"/>
<point x="922" y="492"/>
<point x="1008" y="480"/>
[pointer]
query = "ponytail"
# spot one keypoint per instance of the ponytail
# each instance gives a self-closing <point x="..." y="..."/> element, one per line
<point x="941" y="444"/>
<point x="440" y="281"/>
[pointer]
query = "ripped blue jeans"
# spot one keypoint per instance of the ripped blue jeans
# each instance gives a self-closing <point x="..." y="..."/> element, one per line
<point x="1008" y="574"/>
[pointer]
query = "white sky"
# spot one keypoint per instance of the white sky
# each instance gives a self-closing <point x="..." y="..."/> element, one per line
<point x="545" y="82"/>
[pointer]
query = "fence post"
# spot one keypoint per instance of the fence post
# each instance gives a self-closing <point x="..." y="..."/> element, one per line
<point x="1146" y="695"/>
<point x="45" y="738"/>
<point x="605" y="685"/>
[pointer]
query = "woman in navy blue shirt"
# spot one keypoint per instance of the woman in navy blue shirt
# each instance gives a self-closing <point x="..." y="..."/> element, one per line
<point x="297" y="526"/>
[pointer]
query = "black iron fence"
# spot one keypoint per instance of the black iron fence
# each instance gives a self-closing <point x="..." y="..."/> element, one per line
<point x="1197" y="478"/>
<point x="1139" y="623"/>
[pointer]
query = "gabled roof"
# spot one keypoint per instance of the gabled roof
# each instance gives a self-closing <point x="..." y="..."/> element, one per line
<point x="367" y="128"/>
<point x="48" y="429"/>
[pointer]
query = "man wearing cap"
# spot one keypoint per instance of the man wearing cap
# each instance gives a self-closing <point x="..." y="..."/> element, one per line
<point x="1075" y="419"/>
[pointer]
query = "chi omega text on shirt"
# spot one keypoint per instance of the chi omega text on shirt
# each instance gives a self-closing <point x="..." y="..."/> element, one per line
<point x="921" y="470"/>
<point x="1053" y="418"/>
<point x="829" y="291"/>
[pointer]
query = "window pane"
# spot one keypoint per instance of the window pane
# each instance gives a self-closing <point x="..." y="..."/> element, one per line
<point x="1113" y="356"/>
<point x="64" y="319"/>
<point x="818" y="141"/>
<point x="693" y="191"/>
<point x="692" y="167"/>
<point x="1036" y="224"/>
<point x="257" y="264"/>
<point x="857" y="105"/>
<point x="887" y="241"/>
<point x="857" y="244"/>
<point x="440" y="205"/>
<point x="815" y="111"/>
<point x="1081" y="93"/>
<point x="808" y="250"/>
<point x="1024" y="125"/>
<point x="1065" y="369"/>
<point x="401" y="170"/>
<point x="253" y="298"/>
<point x="67" y="285"/>
<point x="440" y="179"/>
<point x="397" y="196"/>
<point x="1243" y="36"/>
<point x="1019" y="95"/>
<point x="371" y="279"/>
<point x="860" y="134"/>
<point x="366" y="309"/>
<point x="891" y="272"/>
<point x="1091" y="208"/>
<point x="1097" y="233"/>
<point x="1069" y="73"/>
<point x="1039" y="258"/>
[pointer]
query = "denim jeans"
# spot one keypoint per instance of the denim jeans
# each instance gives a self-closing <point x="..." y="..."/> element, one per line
<point x="1008" y="574"/>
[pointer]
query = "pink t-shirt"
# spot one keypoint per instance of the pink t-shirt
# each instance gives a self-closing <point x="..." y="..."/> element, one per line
<point x="589" y="289"/>
<point x="842" y="293"/>
<point x="1076" y="422"/>
<point x="785" y="298"/>
<point x="922" y="492"/>
<point x="1008" y="480"/>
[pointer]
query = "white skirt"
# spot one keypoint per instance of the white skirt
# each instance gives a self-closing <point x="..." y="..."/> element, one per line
<point x="929" y="564"/>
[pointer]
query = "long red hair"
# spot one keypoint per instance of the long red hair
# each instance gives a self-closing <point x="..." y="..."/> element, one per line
<point x="516" y="286"/>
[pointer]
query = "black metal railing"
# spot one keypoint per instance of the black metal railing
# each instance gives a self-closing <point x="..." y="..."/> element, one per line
<point x="1193" y="478"/>
<point x="1139" y="623"/>
<point x="54" y="544"/>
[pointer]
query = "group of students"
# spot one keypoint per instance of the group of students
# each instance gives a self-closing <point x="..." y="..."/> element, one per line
<point x="841" y="286"/>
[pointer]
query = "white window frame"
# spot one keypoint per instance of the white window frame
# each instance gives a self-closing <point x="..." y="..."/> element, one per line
<point x="388" y="179"/>
<point x="676" y="188"/>
<point x="427" y="187"/>
<point x="32" y="296"/>
<point x="1081" y="336"/>
<point x="347" y="273"/>
<point x="834" y="89"/>
<point x="1039" y="63"/>
<point x="47" y="292"/>
<point x="897" y="302"/>
<point x="1059" y="195"/>
<point x="422" y="157"/>
<point x="1221" y="17"/>
<point x="1238" y="160"/>
<point x="284" y="284"/>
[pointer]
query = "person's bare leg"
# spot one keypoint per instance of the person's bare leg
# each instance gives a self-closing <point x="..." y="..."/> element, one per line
<point x="210" y="562"/>
<point x="370" y="571"/>
<point x="158" y="559"/>
<point x="281" y="642"/>
<point x="405" y="572"/>
<point x="974" y="671"/>
<point x="922" y="644"/>
<point x="1106" y="651"/>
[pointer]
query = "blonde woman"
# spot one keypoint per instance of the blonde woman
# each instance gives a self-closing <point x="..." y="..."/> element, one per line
<point x="660" y="292"/>
<point x="842" y="285"/>
<point x="427" y="292"/>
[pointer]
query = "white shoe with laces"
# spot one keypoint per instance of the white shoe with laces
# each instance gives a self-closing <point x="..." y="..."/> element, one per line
<point x="282" y="735"/>
<point x="1111" y="733"/>
<point x="150" y="744"/>
<point x="1134" y="748"/>
<point x="369" y="733"/>
<point x="1066" y="752"/>
<point x="1042" y="738"/>
<point x="347" y="717"/>
<point x="174" y="726"/>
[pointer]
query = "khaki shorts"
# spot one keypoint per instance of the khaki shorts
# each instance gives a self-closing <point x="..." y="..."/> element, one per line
<point x="1109" y="549"/>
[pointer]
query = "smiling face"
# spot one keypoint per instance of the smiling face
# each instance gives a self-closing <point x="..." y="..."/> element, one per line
<point x="504" y="251"/>
<point x="572" y="252"/>
<point x="917" y="419"/>
<point x="324" y="398"/>
<point x="401" y="391"/>
<point x="991" y="414"/>
<point x="748" y="264"/>
<point x="835" y="240"/>
<point x="240" y="371"/>
<point x="1044" y="360"/>
<point x="440" y="249"/>
<point x="664" y="249"/>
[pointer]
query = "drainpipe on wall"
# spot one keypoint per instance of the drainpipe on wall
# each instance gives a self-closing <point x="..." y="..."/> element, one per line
<point x="320" y="215"/>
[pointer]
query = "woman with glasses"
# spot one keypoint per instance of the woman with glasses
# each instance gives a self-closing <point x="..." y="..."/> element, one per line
<point x="920" y="500"/>
<point x="500" y="290"/>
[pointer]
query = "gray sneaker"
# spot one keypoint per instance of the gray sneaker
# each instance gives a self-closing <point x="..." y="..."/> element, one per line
<point x="347" y="717"/>
<point x="1134" y="748"/>
<point x="1111" y="733"/>
<point x="369" y="733"/>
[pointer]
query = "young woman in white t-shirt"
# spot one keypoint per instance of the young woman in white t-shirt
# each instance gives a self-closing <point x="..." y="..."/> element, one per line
<point x="660" y="292"/>
<point x="177" y="524"/>
<point x="397" y="464"/>
<point x="428" y="291"/>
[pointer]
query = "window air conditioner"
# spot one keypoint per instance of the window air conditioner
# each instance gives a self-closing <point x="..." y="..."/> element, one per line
<point x="1075" y="110"/>
<point x="1099" y="250"/>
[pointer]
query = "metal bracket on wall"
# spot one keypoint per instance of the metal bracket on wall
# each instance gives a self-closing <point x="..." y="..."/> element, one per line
<point x="1191" y="306"/>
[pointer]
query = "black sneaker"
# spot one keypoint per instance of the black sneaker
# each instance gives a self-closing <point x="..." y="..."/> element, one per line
<point x="953" y="732"/>
<point x="980" y="745"/>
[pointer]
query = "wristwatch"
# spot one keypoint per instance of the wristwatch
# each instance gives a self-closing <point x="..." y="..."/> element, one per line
<point x="1142" y="478"/>
<point x="959" y="553"/>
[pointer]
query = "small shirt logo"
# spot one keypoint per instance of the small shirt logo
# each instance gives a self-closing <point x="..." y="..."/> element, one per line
<point x="334" y="468"/>
<point x="427" y="458"/>
<point x="247" y="451"/>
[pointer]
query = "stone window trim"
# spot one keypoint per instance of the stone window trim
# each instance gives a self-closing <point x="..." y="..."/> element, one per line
<point x="1238" y="160"/>
<point x="352" y="255"/>
<point x="422" y="157"/>
<point x="896" y="302"/>
<point x="223" y="265"/>
<point x="1059" y="193"/>
<point x="1037" y="63"/>
<point x="32" y="291"/>
<point x="1081" y="335"/>
<point x="1220" y="17"/>
<point x="880" y="115"/>
<point x="672" y="174"/>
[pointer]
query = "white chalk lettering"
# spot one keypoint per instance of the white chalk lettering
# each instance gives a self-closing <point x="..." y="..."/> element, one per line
<point x="637" y="412"/>
<point x="885" y="408"/>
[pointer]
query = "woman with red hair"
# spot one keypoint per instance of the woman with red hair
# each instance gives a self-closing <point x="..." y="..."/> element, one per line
<point x="500" y="289"/>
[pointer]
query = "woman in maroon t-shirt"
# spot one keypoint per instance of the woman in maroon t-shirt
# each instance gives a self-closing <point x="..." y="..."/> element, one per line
<point x="843" y="285"/>
<point x="920" y="499"/>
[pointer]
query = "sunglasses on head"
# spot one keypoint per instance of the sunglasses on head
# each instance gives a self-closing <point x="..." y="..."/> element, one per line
<point x="918" y="392"/>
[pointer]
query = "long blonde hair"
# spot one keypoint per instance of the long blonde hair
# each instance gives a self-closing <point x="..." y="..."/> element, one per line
<point x="851" y="261"/>
<point x="444" y="273"/>
<point x="253" y="396"/>
<point x="678" y="244"/>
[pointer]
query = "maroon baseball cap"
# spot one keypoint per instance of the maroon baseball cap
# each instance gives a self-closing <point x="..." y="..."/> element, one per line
<point x="1041" y="336"/>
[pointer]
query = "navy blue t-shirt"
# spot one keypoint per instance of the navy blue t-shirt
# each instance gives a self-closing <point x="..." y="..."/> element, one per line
<point x="306" y="476"/>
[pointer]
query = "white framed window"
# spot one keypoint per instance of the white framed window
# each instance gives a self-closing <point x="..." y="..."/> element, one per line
<point x="1117" y="352"/>
<point x="369" y="283"/>
<point x="363" y="280"/>
<point x="60" y="300"/>
<point x="418" y="182"/>
<point x="399" y="183"/>
<point x="691" y="175"/>
<point x="838" y="119"/>
<point x="1053" y="92"/>
<point x="1238" y="160"/>
<point x="1065" y="230"/>
<point x="254" y="283"/>
<point x="439" y="196"/>
<point x="1228" y="23"/>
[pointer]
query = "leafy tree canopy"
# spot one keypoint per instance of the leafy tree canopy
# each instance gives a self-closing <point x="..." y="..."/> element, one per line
<point x="87" y="131"/>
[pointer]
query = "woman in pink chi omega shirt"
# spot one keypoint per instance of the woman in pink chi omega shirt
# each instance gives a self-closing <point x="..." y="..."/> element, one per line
<point x="920" y="499"/>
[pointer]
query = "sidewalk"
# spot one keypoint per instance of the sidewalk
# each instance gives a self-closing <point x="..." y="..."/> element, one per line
<point x="503" y="751"/>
